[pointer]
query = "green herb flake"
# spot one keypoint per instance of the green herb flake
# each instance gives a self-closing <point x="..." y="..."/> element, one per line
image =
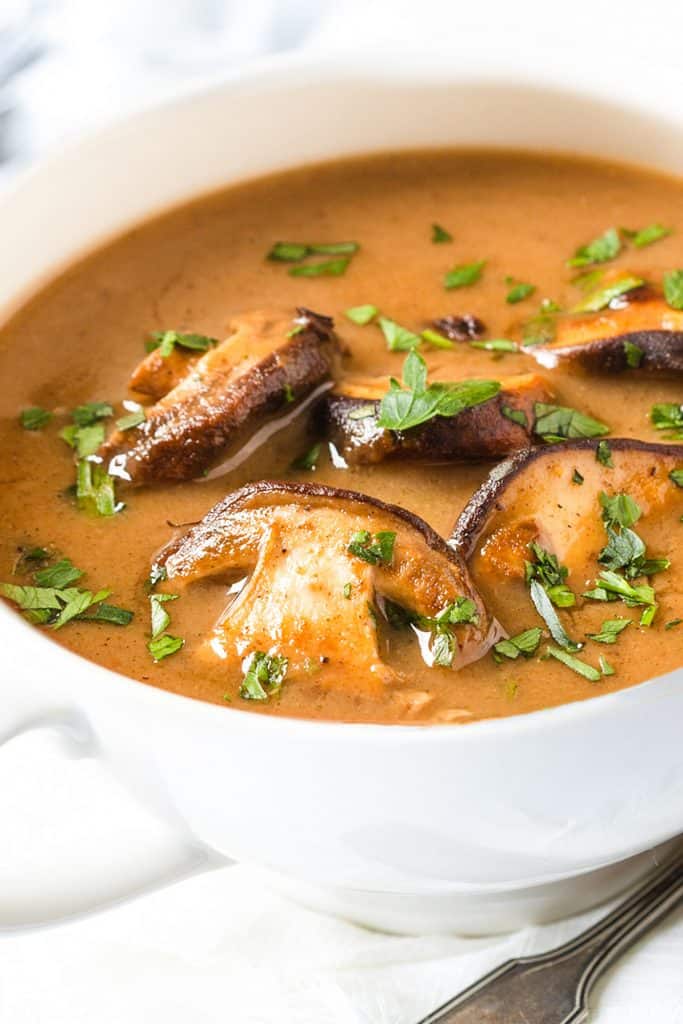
<point x="517" y="416"/>
<point x="95" y="489"/>
<point x="34" y="418"/>
<point x="604" y="297"/>
<point x="159" y="616"/>
<point x="668" y="416"/>
<point x="110" y="613"/>
<point x="264" y="676"/>
<point x="559" y="421"/>
<point x="292" y="252"/>
<point x="166" y="341"/>
<point x="436" y="339"/>
<point x="577" y="478"/>
<point x="398" y="339"/>
<point x="328" y="268"/>
<point x="619" y="509"/>
<point x="603" y="454"/>
<point x="362" y="315"/>
<point x="309" y="461"/>
<point x="524" y="643"/>
<point x="376" y="551"/>
<point x="609" y="631"/>
<point x="543" y="605"/>
<point x="600" y="250"/>
<point x="672" y="623"/>
<point x="416" y="403"/>
<point x="131" y="419"/>
<point x="348" y="587"/>
<point x="648" y="614"/>
<point x="519" y="291"/>
<point x="648" y="235"/>
<point x="496" y="345"/>
<point x="605" y="667"/>
<point x="673" y="288"/>
<point x="164" y="646"/>
<point x="575" y="664"/>
<point x="62" y="574"/>
<point x="463" y="275"/>
<point x="676" y="475"/>
<point x="440" y="235"/>
<point x="89" y="413"/>
<point x="634" y="355"/>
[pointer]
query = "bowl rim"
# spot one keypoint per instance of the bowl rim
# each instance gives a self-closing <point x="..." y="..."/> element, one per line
<point x="545" y="75"/>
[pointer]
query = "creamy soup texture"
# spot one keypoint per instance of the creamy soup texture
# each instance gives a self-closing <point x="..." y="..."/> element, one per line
<point x="195" y="268"/>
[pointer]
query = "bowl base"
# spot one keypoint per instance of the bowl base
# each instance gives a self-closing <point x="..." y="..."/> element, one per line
<point x="475" y="914"/>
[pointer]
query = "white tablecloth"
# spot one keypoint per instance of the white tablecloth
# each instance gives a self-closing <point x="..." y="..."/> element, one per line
<point x="220" y="947"/>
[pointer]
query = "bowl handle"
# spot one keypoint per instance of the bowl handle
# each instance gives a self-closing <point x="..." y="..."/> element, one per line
<point x="185" y="856"/>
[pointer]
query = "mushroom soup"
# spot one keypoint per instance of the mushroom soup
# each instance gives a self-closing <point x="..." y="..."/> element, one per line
<point x="392" y="439"/>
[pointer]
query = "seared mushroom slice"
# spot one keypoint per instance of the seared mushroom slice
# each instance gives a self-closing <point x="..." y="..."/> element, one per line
<point x="551" y="496"/>
<point x="217" y="399"/>
<point x="638" y="331"/>
<point x="320" y="561"/>
<point x="491" y="430"/>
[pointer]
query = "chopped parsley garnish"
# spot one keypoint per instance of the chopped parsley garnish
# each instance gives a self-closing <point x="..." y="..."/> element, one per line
<point x="603" y="297"/>
<point x="95" y="489"/>
<point x="647" y="235"/>
<point x="264" y="676"/>
<point x="516" y="415"/>
<point x="444" y="644"/>
<point x="648" y="614"/>
<point x="377" y="550"/>
<point x="609" y="631"/>
<point x="619" y="509"/>
<point x="668" y="416"/>
<point x="496" y="345"/>
<point x="62" y="574"/>
<point x="557" y="422"/>
<point x="55" y="602"/>
<point x="673" y="288"/>
<point x="416" y="403"/>
<point x="398" y="339"/>
<point x="308" y="461"/>
<point x="86" y="431"/>
<point x="544" y="607"/>
<point x="440" y="235"/>
<point x="160" y="617"/>
<point x="600" y="250"/>
<point x="676" y="475"/>
<point x="328" y="268"/>
<point x="163" y="646"/>
<point x="577" y="478"/>
<point x="603" y="454"/>
<point x="166" y="341"/>
<point x="131" y="419"/>
<point x="672" y="623"/>
<point x="348" y="587"/>
<point x="436" y="339"/>
<point x="89" y="413"/>
<point x="542" y="328"/>
<point x="634" y="355"/>
<point x="34" y="418"/>
<point x="464" y="274"/>
<point x="524" y="643"/>
<point x="547" y="570"/>
<point x="362" y="314"/>
<point x="611" y="585"/>
<point x="292" y="252"/>
<point x="518" y="291"/>
<point x="575" y="664"/>
<point x="605" y="667"/>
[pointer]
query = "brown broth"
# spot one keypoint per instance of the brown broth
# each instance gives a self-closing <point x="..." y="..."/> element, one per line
<point x="195" y="267"/>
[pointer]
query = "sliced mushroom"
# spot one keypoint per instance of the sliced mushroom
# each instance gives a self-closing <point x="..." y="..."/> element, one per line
<point x="638" y="331"/>
<point x="309" y="596"/>
<point x="551" y="495"/>
<point x="491" y="430"/>
<point x="218" y="399"/>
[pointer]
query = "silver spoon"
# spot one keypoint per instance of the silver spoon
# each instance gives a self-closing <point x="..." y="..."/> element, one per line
<point x="553" y="988"/>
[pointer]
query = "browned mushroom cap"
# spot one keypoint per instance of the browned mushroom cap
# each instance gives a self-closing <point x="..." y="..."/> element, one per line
<point x="218" y="399"/>
<point x="552" y="496"/>
<point x="311" y="598"/>
<point x="495" y="428"/>
<point x="643" y="333"/>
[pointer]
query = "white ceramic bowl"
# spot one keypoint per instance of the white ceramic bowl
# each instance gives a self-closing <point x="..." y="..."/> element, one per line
<point x="478" y="827"/>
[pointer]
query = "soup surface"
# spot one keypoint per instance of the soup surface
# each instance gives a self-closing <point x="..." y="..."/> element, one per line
<point x="195" y="268"/>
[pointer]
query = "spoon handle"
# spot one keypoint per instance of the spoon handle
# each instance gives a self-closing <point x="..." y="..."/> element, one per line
<point x="553" y="988"/>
